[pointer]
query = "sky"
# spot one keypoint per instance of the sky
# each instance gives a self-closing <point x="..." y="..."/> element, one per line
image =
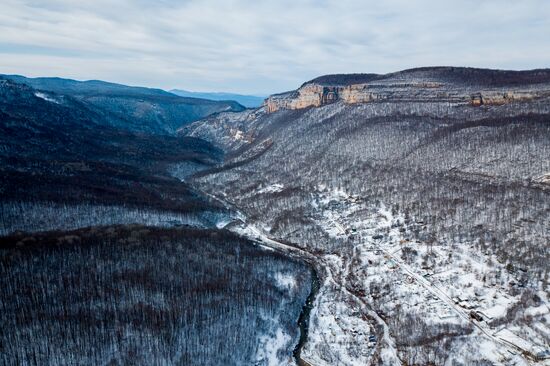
<point x="262" y="47"/>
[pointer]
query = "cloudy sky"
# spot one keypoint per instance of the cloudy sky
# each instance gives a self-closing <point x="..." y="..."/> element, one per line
<point x="261" y="47"/>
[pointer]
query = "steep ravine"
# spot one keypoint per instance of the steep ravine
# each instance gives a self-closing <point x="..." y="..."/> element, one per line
<point x="303" y="320"/>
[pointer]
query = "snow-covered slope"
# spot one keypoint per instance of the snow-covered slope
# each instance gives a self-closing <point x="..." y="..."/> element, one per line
<point x="431" y="212"/>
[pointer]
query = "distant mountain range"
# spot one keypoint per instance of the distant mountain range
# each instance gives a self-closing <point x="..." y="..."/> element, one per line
<point x="249" y="101"/>
<point x="56" y="148"/>
<point x="131" y="108"/>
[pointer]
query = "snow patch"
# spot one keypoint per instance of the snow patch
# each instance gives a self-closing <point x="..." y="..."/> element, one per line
<point x="269" y="349"/>
<point x="545" y="178"/>
<point x="273" y="188"/>
<point x="46" y="98"/>
<point x="285" y="280"/>
<point x="238" y="135"/>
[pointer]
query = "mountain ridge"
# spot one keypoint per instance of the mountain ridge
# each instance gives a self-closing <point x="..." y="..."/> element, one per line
<point x="434" y="186"/>
<point x="458" y="85"/>
<point x="249" y="101"/>
<point x="133" y="108"/>
<point x="357" y="78"/>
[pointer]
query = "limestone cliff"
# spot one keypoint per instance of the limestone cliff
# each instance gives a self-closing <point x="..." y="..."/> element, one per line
<point x="475" y="87"/>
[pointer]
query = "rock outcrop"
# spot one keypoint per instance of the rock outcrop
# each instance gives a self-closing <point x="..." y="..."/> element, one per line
<point x="473" y="87"/>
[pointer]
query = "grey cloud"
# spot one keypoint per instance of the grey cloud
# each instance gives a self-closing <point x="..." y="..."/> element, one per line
<point x="264" y="46"/>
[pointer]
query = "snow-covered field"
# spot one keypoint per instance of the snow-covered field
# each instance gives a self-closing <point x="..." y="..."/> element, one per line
<point x="465" y="304"/>
<point x="447" y="286"/>
<point x="388" y="298"/>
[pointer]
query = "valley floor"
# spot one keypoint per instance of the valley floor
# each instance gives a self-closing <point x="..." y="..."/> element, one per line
<point x="459" y="308"/>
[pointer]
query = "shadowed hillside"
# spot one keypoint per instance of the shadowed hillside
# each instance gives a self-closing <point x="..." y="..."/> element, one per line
<point x="131" y="108"/>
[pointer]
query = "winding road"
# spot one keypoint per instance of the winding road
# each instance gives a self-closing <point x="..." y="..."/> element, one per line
<point x="324" y="270"/>
<point x="441" y="295"/>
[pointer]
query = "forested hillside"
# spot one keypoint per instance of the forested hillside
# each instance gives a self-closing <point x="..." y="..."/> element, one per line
<point x="409" y="213"/>
<point x="63" y="167"/>
<point x="145" y="296"/>
<point x="431" y="172"/>
<point x="128" y="107"/>
<point x="108" y="257"/>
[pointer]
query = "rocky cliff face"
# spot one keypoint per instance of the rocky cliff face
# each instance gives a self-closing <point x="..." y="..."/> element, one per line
<point x="454" y="85"/>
